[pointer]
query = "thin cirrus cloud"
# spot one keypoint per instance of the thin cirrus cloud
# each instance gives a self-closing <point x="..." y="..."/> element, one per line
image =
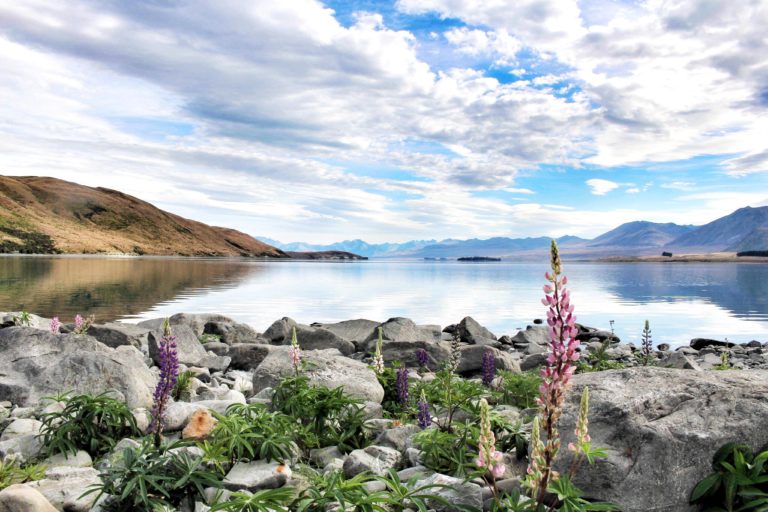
<point x="390" y="121"/>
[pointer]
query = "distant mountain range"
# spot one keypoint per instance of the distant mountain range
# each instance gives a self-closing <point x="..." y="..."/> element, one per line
<point x="745" y="229"/>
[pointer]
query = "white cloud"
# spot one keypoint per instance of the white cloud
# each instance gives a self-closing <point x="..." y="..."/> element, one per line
<point x="633" y="190"/>
<point x="252" y="114"/>
<point x="601" y="187"/>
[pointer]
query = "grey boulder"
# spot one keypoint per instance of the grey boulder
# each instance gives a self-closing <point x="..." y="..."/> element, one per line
<point x="309" y="338"/>
<point x="35" y="364"/>
<point x="472" y="359"/>
<point x="325" y="368"/>
<point x="404" y="329"/>
<point x="661" y="428"/>
<point x="22" y="498"/>
<point x="470" y="331"/>
<point x="376" y="460"/>
<point x="252" y="476"/>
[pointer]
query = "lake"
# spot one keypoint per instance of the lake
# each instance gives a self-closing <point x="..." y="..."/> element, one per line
<point x="682" y="301"/>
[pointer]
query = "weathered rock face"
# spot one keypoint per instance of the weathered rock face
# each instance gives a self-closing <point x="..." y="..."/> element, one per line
<point x="661" y="428"/>
<point x="35" y="364"/>
<point x="326" y="367"/>
<point x="405" y="352"/>
<point x="310" y="338"/>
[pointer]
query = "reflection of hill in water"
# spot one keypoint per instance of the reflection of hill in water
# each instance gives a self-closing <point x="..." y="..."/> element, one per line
<point x="109" y="288"/>
<point x="741" y="289"/>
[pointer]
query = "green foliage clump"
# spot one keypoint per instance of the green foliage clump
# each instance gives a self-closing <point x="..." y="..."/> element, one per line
<point x="450" y="453"/>
<point x="520" y="389"/>
<point x="250" y="432"/>
<point x="328" y="417"/>
<point x="210" y="338"/>
<point x="86" y="422"/>
<point x="152" y="478"/>
<point x="183" y="386"/>
<point x="449" y="394"/>
<point x="12" y="472"/>
<point x="739" y="481"/>
<point x="335" y="492"/>
<point x="266" y="500"/>
<point x="725" y="362"/>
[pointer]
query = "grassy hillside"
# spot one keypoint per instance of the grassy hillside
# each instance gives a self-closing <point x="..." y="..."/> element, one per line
<point x="47" y="215"/>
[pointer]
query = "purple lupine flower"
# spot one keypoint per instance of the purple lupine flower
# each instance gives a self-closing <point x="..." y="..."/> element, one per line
<point x="423" y="415"/>
<point x="422" y="357"/>
<point x="556" y="378"/>
<point x="402" y="385"/>
<point x="55" y="325"/>
<point x="489" y="367"/>
<point x="169" y="372"/>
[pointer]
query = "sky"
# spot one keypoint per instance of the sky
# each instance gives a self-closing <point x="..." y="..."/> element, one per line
<point x="302" y="120"/>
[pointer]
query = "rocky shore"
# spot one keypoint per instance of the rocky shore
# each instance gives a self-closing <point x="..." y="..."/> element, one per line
<point x="660" y="423"/>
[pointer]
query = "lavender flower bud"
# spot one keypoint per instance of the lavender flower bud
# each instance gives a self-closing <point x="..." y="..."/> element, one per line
<point x="422" y="357"/>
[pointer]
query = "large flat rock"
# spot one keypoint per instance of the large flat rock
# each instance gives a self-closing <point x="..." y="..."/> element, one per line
<point x="661" y="427"/>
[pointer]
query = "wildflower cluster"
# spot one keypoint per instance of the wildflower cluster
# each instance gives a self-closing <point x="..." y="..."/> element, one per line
<point x="556" y="377"/>
<point x="55" y="325"/>
<point x="82" y="324"/>
<point x="295" y="352"/>
<point x="169" y="372"/>
<point x="489" y="367"/>
<point x="378" y="358"/>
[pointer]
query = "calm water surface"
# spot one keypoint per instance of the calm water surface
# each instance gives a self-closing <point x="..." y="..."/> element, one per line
<point x="682" y="301"/>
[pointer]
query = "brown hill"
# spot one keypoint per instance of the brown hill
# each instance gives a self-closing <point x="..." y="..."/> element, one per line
<point x="48" y="215"/>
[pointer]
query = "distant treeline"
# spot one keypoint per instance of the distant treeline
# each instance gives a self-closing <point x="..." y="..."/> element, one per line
<point x="763" y="254"/>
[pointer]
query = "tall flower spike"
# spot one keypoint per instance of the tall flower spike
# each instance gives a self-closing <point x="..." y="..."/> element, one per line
<point x="455" y="359"/>
<point x="378" y="358"/>
<point x="489" y="367"/>
<point x="556" y="376"/>
<point x="55" y="325"/>
<point x="169" y="372"/>
<point x="488" y="457"/>
<point x="423" y="415"/>
<point x="401" y="384"/>
<point x="647" y="344"/>
<point x="582" y="424"/>
<point x="295" y="352"/>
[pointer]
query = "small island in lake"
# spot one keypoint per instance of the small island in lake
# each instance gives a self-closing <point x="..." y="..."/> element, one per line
<point x="478" y="258"/>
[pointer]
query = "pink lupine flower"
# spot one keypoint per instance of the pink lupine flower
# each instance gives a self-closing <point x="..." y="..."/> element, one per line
<point x="487" y="456"/>
<point x="295" y="352"/>
<point x="563" y="353"/>
<point x="55" y="325"/>
<point x="79" y="322"/>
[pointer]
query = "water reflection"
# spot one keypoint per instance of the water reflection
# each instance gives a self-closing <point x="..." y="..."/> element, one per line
<point x="108" y="288"/>
<point x="681" y="301"/>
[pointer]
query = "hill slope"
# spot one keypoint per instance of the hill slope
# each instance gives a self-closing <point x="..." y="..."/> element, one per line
<point x="641" y="234"/>
<point x="48" y="215"/>
<point x="740" y="229"/>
